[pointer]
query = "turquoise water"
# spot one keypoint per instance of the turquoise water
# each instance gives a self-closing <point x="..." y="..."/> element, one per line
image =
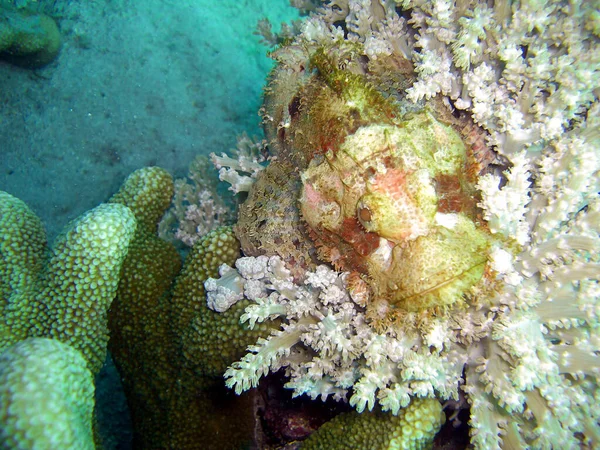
<point x="136" y="83"/>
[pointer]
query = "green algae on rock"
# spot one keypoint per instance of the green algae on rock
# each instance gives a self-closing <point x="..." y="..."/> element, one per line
<point x="27" y="38"/>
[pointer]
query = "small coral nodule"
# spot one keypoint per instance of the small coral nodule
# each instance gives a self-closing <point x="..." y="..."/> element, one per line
<point x="28" y="39"/>
<point x="413" y="428"/>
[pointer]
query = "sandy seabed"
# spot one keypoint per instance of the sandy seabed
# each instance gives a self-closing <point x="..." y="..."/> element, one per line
<point x="137" y="83"/>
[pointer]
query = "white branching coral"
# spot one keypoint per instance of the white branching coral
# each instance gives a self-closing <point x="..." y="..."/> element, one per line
<point x="241" y="169"/>
<point x="505" y="208"/>
<point x="326" y="345"/>
<point x="524" y="70"/>
<point x="198" y="207"/>
<point x="524" y="346"/>
<point x="529" y="353"/>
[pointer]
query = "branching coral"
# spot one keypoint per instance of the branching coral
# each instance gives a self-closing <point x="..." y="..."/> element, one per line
<point x="414" y="428"/>
<point x="46" y="397"/>
<point x="515" y="83"/>
<point x="240" y="169"/>
<point x="64" y="293"/>
<point x="197" y="206"/>
<point x="54" y="324"/>
<point x="327" y="346"/>
<point x="428" y="227"/>
<point x="169" y="347"/>
<point x="175" y="402"/>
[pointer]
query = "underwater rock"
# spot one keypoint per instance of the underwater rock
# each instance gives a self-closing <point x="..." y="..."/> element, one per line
<point x="28" y="39"/>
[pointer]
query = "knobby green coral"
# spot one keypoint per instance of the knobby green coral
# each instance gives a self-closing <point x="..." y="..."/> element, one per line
<point x="63" y="293"/>
<point x="412" y="429"/>
<point x="46" y="397"/>
<point x="138" y="320"/>
<point x="174" y="392"/>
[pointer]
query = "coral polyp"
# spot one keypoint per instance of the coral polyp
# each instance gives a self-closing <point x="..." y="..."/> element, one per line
<point x="394" y="205"/>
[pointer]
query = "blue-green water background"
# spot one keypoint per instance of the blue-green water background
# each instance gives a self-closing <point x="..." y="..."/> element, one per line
<point x="137" y="83"/>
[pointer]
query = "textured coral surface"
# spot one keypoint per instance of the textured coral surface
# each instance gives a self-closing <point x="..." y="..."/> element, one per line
<point x="27" y="38"/>
<point x="46" y="397"/>
<point x="62" y="293"/>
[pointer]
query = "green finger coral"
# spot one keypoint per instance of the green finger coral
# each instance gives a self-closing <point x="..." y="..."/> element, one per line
<point x="413" y="428"/>
<point x="46" y="397"/>
<point x="170" y="374"/>
<point x="207" y="343"/>
<point x="23" y="249"/>
<point x="65" y="296"/>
